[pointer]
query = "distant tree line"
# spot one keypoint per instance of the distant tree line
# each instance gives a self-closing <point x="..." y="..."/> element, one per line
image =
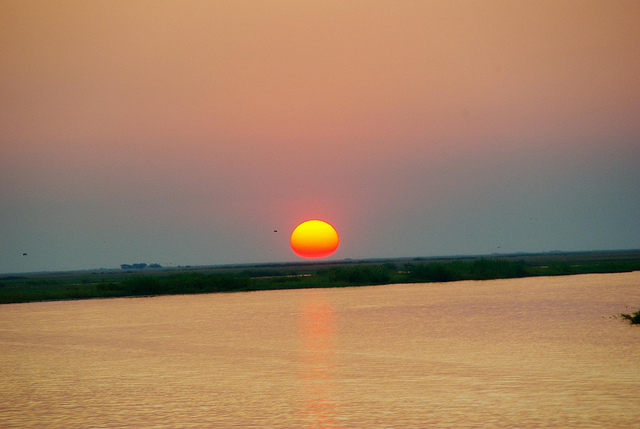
<point x="140" y="266"/>
<point x="141" y="280"/>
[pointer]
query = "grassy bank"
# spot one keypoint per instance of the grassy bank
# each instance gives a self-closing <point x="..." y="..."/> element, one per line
<point x="116" y="283"/>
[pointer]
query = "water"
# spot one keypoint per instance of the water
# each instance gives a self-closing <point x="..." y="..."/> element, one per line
<point x="536" y="352"/>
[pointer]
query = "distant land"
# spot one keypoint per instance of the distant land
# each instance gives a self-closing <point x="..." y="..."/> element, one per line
<point x="142" y="279"/>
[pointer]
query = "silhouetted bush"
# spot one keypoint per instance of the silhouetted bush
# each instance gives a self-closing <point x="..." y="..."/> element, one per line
<point x="633" y="318"/>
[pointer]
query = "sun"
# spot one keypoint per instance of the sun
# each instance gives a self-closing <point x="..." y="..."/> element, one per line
<point x="314" y="239"/>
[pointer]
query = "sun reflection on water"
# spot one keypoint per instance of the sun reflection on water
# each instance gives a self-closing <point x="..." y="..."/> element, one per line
<point x="317" y="328"/>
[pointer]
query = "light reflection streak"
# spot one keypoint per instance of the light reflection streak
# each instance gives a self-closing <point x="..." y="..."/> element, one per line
<point x="317" y="328"/>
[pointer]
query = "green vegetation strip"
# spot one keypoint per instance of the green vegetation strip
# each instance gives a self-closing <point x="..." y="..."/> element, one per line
<point x="28" y="288"/>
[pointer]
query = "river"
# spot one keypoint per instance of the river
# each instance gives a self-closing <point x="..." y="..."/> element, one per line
<point x="532" y="352"/>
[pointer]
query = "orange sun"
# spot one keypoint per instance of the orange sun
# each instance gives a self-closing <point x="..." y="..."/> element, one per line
<point x="314" y="239"/>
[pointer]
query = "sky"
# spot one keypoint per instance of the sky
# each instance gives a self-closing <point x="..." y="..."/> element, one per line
<point x="186" y="132"/>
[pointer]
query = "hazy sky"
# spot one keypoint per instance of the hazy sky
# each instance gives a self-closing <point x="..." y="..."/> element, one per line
<point x="186" y="132"/>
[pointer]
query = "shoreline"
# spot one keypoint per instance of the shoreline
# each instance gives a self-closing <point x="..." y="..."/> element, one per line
<point x="40" y="287"/>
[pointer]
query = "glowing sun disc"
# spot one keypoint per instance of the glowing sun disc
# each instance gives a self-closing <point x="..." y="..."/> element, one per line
<point x="314" y="239"/>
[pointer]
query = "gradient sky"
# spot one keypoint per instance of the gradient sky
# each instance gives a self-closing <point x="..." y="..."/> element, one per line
<point x="186" y="132"/>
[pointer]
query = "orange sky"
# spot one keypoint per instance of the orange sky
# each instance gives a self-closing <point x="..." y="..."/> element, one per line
<point x="142" y="124"/>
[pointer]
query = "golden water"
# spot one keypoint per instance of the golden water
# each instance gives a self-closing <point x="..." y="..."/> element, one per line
<point x="535" y="352"/>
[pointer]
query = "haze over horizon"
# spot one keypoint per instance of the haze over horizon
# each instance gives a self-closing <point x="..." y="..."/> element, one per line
<point x="186" y="132"/>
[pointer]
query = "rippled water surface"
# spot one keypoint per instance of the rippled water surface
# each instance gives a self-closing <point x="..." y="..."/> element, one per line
<point x="535" y="352"/>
